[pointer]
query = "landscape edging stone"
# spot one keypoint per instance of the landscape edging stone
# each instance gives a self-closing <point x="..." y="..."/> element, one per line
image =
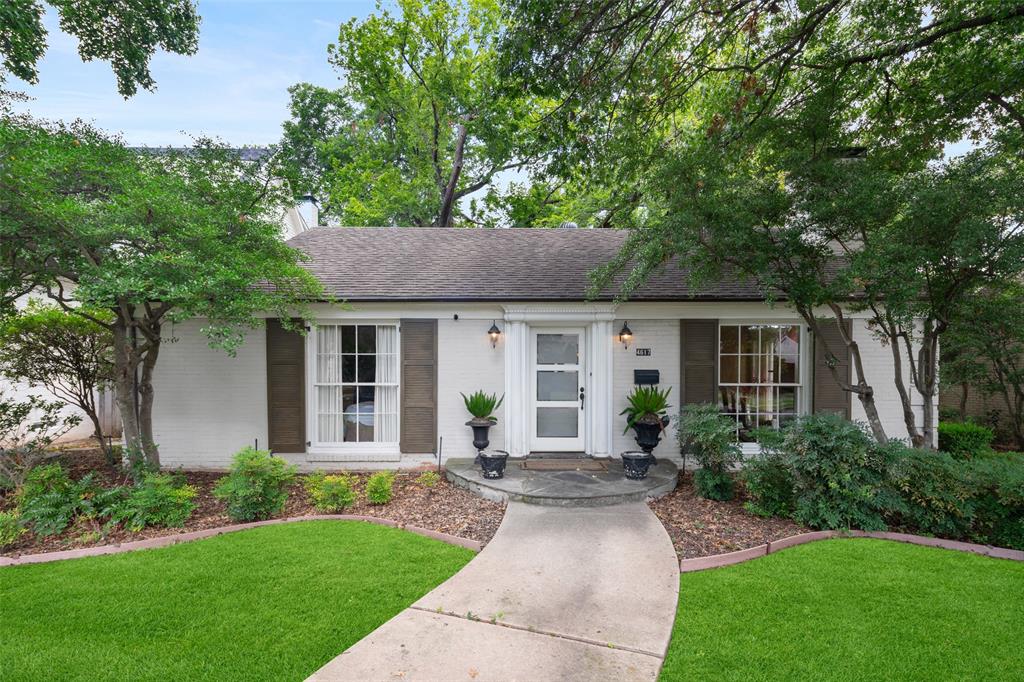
<point x="168" y="540"/>
<point x="718" y="560"/>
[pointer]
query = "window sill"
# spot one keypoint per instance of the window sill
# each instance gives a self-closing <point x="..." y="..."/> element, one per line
<point x="355" y="452"/>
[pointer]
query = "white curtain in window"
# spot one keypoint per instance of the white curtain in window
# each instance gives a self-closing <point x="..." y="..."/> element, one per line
<point x="330" y="424"/>
<point x="385" y="410"/>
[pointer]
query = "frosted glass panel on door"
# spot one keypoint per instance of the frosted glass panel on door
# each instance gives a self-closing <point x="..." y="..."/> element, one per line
<point x="557" y="385"/>
<point x="557" y="422"/>
<point x="558" y="349"/>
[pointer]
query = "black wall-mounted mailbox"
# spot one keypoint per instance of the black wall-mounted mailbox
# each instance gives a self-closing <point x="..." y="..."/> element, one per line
<point x="646" y="377"/>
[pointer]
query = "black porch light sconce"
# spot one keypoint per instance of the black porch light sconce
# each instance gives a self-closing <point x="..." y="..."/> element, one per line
<point x="494" y="333"/>
<point x="625" y="334"/>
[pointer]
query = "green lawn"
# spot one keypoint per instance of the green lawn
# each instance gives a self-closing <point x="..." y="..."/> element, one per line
<point x="852" y="610"/>
<point x="273" y="603"/>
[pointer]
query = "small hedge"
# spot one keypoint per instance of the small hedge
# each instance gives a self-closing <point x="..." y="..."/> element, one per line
<point x="379" y="487"/>
<point x="828" y="473"/>
<point x="257" y="485"/>
<point x="965" y="439"/>
<point x="330" y="494"/>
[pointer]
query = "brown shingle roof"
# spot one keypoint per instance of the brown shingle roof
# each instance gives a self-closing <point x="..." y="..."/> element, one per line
<point x="458" y="264"/>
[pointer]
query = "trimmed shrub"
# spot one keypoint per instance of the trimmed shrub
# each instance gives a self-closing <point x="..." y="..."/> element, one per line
<point x="428" y="479"/>
<point x="710" y="438"/>
<point x="331" y="494"/>
<point x="964" y="439"/>
<point x="159" y="500"/>
<point x="840" y="476"/>
<point x="10" y="527"/>
<point x="767" y="478"/>
<point x="257" y="485"/>
<point x="379" y="487"/>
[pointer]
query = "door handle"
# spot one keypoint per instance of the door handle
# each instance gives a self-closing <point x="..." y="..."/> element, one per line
<point x="583" y="397"/>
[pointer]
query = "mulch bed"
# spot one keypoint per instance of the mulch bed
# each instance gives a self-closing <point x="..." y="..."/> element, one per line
<point x="700" y="527"/>
<point x="444" y="508"/>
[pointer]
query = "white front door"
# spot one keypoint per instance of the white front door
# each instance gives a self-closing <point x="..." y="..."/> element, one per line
<point x="557" y="389"/>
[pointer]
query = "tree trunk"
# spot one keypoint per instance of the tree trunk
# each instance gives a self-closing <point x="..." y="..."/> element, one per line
<point x="124" y="392"/>
<point x="862" y="389"/>
<point x="964" y="388"/>
<point x="146" y="395"/>
<point x="909" y="418"/>
<point x="448" y="195"/>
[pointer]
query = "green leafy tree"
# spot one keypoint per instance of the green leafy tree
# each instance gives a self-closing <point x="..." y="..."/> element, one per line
<point x="423" y="120"/>
<point x="985" y="349"/>
<point x="789" y="143"/>
<point x="151" y="239"/>
<point x="68" y="354"/>
<point x="126" y="34"/>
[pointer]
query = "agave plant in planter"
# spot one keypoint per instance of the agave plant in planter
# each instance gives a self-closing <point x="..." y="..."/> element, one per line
<point x="647" y="415"/>
<point x="481" y="406"/>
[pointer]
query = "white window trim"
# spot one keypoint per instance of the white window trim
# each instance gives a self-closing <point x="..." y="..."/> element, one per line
<point x="347" y="452"/>
<point x="804" y="385"/>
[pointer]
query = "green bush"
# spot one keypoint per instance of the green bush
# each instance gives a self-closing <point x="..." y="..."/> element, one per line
<point x="428" y="479"/>
<point x="159" y="500"/>
<point x="964" y="439"/>
<point x="710" y="438"/>
<point x="840" y="476"/>
<point x="10" y="527"/>
<point x="379" y="487"/>
<point x="768" y="479"/>
<point x="331" y="494"/>
<point x="998" y="500"/>
<point x="49" y="500"/>
<point x="256" y="486"/>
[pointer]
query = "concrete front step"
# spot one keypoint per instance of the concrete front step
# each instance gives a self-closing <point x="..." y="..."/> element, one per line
<point x="564" y="488"/>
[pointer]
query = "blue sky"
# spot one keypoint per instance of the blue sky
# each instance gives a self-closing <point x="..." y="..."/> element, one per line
<point x="234" y="88"/>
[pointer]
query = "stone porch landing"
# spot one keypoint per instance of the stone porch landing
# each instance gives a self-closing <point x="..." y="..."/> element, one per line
<point x="564" y="488"/>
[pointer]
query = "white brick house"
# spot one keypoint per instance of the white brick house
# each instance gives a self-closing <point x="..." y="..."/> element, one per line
<point x="377" y="382"/>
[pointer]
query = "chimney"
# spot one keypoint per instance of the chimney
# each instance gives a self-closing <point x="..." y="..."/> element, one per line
<point x="309" y="211"/>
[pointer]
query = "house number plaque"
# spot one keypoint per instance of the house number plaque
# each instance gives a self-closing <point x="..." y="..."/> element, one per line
<point x="643" y="352"/>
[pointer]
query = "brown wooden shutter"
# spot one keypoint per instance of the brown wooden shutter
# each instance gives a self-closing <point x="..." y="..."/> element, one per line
<point x="829" y="397"/>
<point x="286" y="389"/>
<point x="419" y="386"/>
<point x="699" y="362"/>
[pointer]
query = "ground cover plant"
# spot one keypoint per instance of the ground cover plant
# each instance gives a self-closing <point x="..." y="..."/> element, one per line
<point x="851" y="609"/>
<point x="200" y="610"/>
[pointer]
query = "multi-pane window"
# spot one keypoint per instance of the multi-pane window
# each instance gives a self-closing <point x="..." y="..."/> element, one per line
<point x="759" y="375"/>
<point x="356" y="383"/>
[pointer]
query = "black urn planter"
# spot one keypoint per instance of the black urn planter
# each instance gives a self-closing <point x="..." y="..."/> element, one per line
<point x="648" y="434"/>
<point x="635" y="464"/>
<point x="480" y="428"/>
<point x="492" y="463"/>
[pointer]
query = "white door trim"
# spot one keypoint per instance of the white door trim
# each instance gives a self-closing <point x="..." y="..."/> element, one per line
<point x="579" y="443"/>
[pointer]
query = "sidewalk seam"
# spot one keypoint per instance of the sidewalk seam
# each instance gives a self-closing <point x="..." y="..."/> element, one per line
<point x="558" y="635"/>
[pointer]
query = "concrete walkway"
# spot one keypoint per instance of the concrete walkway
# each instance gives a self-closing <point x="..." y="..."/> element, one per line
<point x="558" y="594"/>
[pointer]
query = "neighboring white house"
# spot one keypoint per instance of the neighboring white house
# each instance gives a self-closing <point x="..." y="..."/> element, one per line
<point x="378" y="382"/>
